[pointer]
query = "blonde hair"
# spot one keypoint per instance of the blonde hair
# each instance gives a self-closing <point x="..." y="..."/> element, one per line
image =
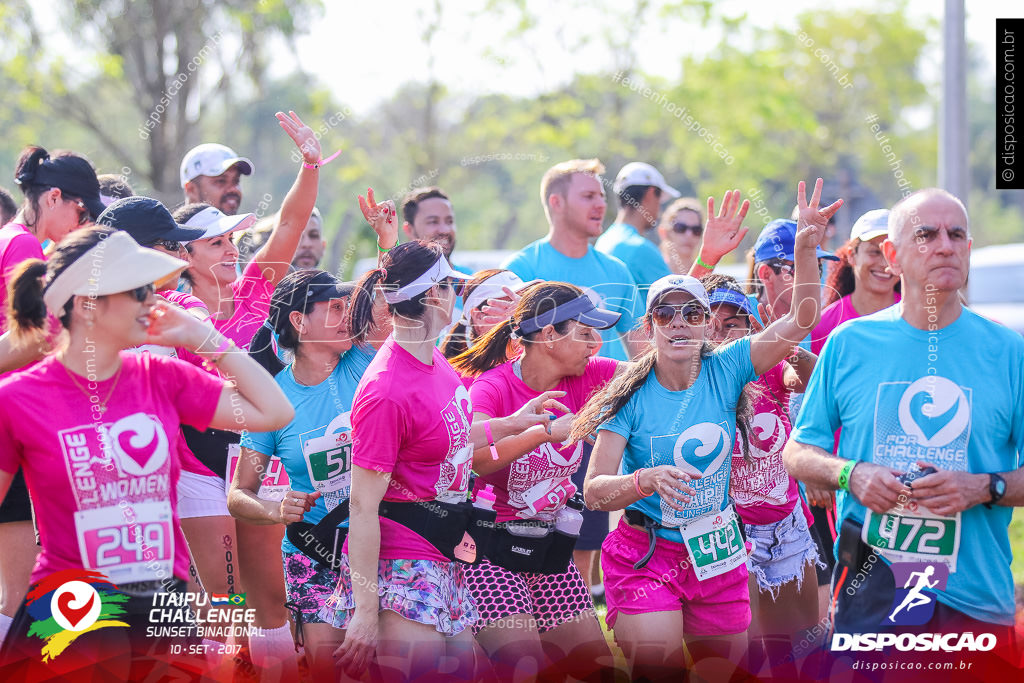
<point x="687" y="203"/>
<point x="557" y="178"/>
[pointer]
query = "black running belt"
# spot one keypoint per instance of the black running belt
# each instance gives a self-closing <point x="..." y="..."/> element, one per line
<point x="211" y="447"/>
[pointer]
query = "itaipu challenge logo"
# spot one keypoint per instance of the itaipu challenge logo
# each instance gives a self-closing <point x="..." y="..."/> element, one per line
<point x="70" y="603"/>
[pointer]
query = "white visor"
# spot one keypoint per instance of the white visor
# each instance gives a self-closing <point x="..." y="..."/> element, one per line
<point x="493" y="288"/>
<point x="214" y="223"/>
<point x="437" y="272"/>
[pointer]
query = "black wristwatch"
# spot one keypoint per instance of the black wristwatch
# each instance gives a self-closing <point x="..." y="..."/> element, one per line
<point x="996" y="488"/>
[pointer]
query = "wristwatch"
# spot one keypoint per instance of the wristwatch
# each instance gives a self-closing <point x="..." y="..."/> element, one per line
<point x="996" y="488"/>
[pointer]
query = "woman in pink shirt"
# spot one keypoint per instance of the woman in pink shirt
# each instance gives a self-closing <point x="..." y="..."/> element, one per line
<point x="525" y="604"/>
<point x="61" y="193"/>
<point x="108" y="442"/>
<point x="411" y="423"/>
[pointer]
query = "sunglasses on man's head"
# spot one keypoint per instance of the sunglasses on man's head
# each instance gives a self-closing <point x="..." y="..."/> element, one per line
<point x="142" y="293"/>
<point x="691" y="314"/>
<point x="681" y="228"/>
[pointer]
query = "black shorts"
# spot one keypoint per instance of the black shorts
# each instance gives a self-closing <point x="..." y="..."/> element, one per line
<point x="821" y="532"/>
<point x="16" y="506"/>
<point x="595" y="522"/>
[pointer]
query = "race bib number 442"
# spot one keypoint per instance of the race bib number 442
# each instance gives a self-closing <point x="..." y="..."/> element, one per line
<point x="714" y="544"/>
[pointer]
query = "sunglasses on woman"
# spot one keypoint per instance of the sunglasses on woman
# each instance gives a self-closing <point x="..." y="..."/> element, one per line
<point x="454" y="283"/>
<point x="169" y="245"/>
<point x="142" y="293"/>
<point x="691" y="314"/>
<point x="681" y="228"/>
<point x="83" y="210"/>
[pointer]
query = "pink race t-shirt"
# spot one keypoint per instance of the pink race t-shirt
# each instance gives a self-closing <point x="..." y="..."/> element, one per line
<point x="762" y="489"/>
<point x="536" y="485"/>
<point x="251" y="293"/>
<point x="834" y="315"/>
<point x="412" y="420"/>
<point x="17" y="244"/>
<point x="113" y="509"/>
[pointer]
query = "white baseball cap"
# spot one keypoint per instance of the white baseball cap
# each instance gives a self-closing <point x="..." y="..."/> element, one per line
<point x="211" y="159"/>
<point x="871" y="225"/>
<point x="215" y="223"/>
<point x="639" y="173"/>
<point x="678" y="283"/>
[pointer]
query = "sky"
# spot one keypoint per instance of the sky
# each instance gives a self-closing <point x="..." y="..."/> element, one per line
<point x="362" y="58"/>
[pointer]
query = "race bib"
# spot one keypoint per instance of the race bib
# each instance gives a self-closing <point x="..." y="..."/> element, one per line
<point x="714" y="544"/>
<point x="329" y="463"/>
<point x="915" y="534"/>
<point x="128" y="544"/>
<point x="276" y="482"/>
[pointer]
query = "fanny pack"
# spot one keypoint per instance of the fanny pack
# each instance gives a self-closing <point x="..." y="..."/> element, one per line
<point x="650" y="525"/>
<point x="210" y="447"/>
<point x="445" y="526"/>
<point x="322" y="542"/>
<point x="873" y="585"/>
<point x="549" y="553"/>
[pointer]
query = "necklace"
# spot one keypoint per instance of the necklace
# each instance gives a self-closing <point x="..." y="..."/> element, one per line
<point x="101" y="406"/>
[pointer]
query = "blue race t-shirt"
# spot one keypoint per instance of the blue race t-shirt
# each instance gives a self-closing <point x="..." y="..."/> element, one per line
<point x="310" y="448"/>
<point x="640" y="255"/>
<point x="605" y="276"/>
<point x="954" y="397"/>
<point x="692" y="429"/>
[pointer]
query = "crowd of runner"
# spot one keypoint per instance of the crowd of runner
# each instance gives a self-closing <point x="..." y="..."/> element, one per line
<point x="432" y="466"/>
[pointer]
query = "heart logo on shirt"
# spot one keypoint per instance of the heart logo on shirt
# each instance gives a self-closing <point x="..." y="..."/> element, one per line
<point x="138" y="444"/>
<point x="765" y="426"/>
<point x="934" y="410"/>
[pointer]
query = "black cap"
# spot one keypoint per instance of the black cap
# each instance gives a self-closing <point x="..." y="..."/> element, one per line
<point x="147" y="221"/>
<point x="73" y="176"/>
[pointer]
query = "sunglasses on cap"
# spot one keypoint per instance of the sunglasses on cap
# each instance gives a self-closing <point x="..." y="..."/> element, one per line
<point x="696" y="228"/>
<point x="458" y="285"/>
<point x="692" y="314"/>
<point x="142" y="293"/>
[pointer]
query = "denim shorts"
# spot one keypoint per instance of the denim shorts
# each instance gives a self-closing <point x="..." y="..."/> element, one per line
<point x="782" y="551"/>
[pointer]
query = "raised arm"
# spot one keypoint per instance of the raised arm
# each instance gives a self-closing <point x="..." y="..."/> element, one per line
<point x="722" y="233"/>
<point x="383" y="218"/>
<point x="776" y="342"/>
<point x="276" y="255"/>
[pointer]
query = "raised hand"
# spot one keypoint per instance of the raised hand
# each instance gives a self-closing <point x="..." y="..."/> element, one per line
<point x="724" y="232"/>
<point x="383" y="218"/>
<point x="302" y="135"/>
<point x="811" y="221"/>
<point x="538" y="410"/>
<point x="170" y="325"/>
<point x="497" y="310"/>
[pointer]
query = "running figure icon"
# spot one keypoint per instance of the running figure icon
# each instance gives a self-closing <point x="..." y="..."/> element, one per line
<point x="914" y="598"/>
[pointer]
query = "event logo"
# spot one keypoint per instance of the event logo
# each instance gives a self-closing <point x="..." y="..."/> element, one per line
<point x="914" y="603"/>
<point x="934" y="410"/>
<point x="69" y="603"/>
<point x="699" y="442"/>
<point x="766" y="426"/>
<point x="139" y="444"/>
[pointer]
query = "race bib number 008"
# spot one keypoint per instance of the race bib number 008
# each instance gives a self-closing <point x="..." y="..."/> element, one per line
<point x="133" y="543"/>
<point x="714" y="544"/>
<point x="914" y="535"/>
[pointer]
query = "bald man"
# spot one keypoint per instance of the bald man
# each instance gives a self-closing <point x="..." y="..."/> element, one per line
<point x="925" y="384"/>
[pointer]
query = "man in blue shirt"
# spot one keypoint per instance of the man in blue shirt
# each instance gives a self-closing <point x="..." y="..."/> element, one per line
<point x="641" y="190"/>
<point x="926" y="383"/>
<point x="574" y="202"/>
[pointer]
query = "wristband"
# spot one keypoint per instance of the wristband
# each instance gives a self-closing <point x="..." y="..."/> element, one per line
<point x="700" y="262"/>
<point x="321" y="162"/>
<point x="636" y="483"/>
<point x="384" y="251"/>
<point x="844" y="475"/>
<point x="490" y="440"/>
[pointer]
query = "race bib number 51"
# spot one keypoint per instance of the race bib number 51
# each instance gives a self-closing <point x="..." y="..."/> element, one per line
<point x="128" y="544"/>
<point x="915" y="534"/>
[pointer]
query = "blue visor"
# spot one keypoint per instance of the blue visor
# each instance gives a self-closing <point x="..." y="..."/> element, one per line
<point x="581" y="309"/>
<point x="731" y="296"/>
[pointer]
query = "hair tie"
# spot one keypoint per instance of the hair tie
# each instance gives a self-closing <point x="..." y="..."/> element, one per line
<point x="383" y="273"/>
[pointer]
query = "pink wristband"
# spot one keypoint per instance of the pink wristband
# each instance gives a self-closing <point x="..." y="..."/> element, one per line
<point x="322" y="162"/>
<point x="490" y="440"/>
<point x="636" y="483"/>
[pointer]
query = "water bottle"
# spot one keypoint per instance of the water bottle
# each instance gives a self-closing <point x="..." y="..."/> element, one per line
<point x="485" y="498"/>
<point x="570" y="518"/>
